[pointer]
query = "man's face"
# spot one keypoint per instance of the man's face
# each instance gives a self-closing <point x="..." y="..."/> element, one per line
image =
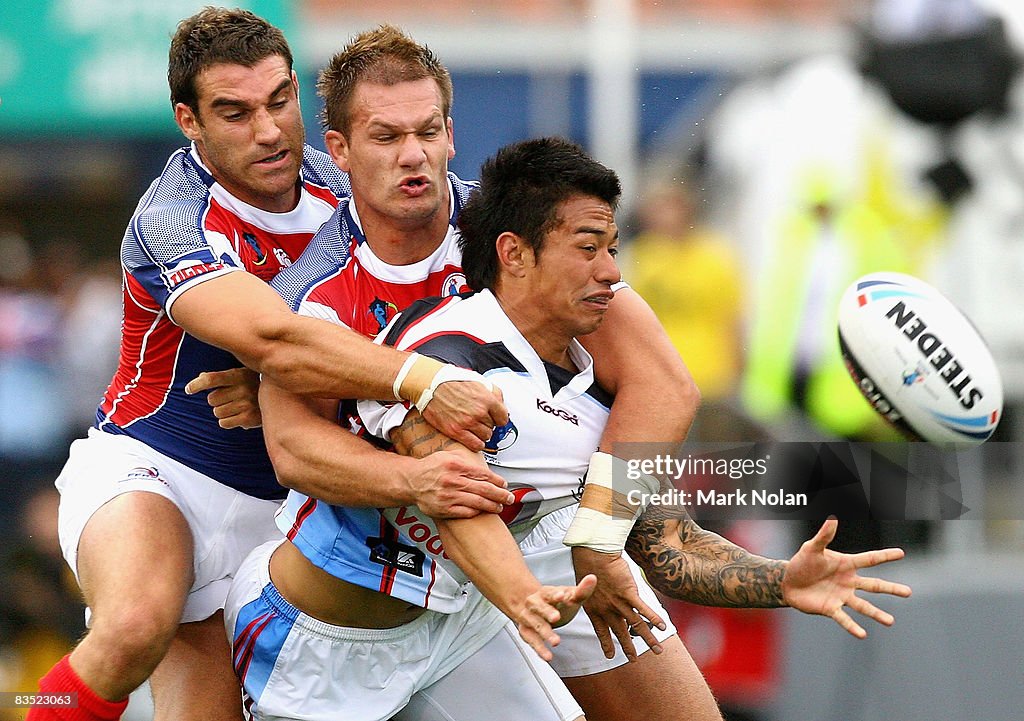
<point x="571" y="278"/>
<point x="249" y="130"/>
<point x="397" y="152"/>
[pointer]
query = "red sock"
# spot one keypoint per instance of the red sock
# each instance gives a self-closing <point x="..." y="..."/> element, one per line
<point x="62" y="680"/>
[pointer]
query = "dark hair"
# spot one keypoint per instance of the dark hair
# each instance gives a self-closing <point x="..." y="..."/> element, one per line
<point x="384" y="55"/>
<point x="521" y="189"/>
<point x="219" y="35"/>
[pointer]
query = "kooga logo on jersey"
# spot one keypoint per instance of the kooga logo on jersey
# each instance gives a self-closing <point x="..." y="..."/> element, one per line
<point x="557" y="412"/>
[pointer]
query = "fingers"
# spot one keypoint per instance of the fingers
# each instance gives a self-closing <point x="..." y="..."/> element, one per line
<point x="535" y="641"/>
<point x="843" y="619"/>
<point x="825" y="534"/>
<point x="215" y="379"/>
<point x="603" y="632"/>
<point x="471" y="439"/>
<point x="648" y="613"/>
<point x="497" y="410"/>
<point x="642" y="620"/>
<point x="875" y="558"/>
<point x="585" y="588"/>
<point x="621" y="630"/>
<point x="865" y="608"/>
<point x="877" y="585"/>
<point x="202" y="382"/>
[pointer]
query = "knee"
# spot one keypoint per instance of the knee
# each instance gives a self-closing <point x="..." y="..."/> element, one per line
<point x="134" y="639"/>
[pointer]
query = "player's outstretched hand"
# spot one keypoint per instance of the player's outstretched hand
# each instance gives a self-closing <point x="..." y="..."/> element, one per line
<point x="467" y="412"/>
<point x="549" y="607"/>
<point x="234" y="396"/>
<point x="453" y="486"/>
<point x="615" y="606"/>
<point x="821" y="581"/>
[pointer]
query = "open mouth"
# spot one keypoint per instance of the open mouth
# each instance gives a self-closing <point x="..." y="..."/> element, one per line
<point x="275" y="157"/>
<point x="601" y="299"/>
<point x="414" y="183"/>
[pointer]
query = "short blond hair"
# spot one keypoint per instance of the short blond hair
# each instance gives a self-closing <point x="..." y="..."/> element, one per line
<point x="384" y="55"/>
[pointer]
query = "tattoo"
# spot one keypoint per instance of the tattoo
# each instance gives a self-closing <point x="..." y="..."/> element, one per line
<point x="686" y="562"/>
<point x="417" y="438"/>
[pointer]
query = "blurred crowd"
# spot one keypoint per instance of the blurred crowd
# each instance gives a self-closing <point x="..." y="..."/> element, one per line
<point x="59" y="330"/>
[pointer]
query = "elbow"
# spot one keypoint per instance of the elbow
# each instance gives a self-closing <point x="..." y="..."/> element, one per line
<point x="287" y="466"/>
<point x="271" y="351"/>
<point x="687" y="394"/>
<point x="681" y="394"/>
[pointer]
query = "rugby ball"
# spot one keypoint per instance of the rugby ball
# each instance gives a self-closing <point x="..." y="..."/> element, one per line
<point x="919" y="361"/>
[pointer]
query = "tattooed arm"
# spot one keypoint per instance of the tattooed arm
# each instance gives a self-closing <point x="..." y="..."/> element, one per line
<point x="686" y="562"/>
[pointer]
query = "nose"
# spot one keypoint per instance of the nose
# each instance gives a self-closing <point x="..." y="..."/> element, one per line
<point x="411" y="153"/>
<point x="264" y="127"/>
<point x="607" y="270"/>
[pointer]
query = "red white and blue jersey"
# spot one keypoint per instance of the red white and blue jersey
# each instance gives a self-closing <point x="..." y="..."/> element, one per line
<point x="339" y="277"/>
<point x="188" y="229"/>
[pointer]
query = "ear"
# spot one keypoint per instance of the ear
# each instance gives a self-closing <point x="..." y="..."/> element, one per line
<point x="295" y="84"/>
<point x="451" y="138"/>
<point x="514" y="254"/>
<point x="337" y="147"/>
<point x="188" y="121"/>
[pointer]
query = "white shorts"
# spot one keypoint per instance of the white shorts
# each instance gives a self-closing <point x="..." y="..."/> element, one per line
<point x="579" y="653"/>
<point x="226" y="524"/>
<point x="293" y="666"/>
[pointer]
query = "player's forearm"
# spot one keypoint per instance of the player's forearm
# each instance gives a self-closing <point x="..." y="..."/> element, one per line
<point x="243" y="315"/>
<point x="655" y="396"/>
<point x="312" y="455"/>
<point x="317" y="358"/>
<point x="683" y="561"/>
<point x="481" y="546"/>
<point x="486" y="552"/>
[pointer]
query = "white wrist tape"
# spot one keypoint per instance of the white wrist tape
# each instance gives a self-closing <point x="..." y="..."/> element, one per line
<point x="607" y="512"/>
<point x="396" y="387"/>
<point x="419" y="377"/>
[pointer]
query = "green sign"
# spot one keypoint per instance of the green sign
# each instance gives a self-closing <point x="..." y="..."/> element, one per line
<point x="95" y="67"/>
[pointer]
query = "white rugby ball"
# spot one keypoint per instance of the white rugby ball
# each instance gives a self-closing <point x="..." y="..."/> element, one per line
<point x="919" y="361"/>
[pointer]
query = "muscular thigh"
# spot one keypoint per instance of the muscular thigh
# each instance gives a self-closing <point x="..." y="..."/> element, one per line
<point x="135" y="557"/>
<point x="130" y="513"/>
<point x="656" y="687"/>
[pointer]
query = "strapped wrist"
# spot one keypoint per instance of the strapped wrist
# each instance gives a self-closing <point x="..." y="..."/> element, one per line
<point x="612" y="500"/>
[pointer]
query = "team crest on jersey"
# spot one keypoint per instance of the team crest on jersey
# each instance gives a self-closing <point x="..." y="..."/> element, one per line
<point x="382" y="311"/>
<point x="392" y="554"/>
<point x="282" y="257"/>
<point x="502" y="437"/>
<point x="250" y="239"/>
<point x="524" y="507"/>
<point x="454" y="284"/>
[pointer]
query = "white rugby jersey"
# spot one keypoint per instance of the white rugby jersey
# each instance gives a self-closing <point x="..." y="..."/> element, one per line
<point x="556" y="421"/>
<point x="188" y="229"/>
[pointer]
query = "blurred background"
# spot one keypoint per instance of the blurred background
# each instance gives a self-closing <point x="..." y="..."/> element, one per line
<point x="771" y="152"/>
